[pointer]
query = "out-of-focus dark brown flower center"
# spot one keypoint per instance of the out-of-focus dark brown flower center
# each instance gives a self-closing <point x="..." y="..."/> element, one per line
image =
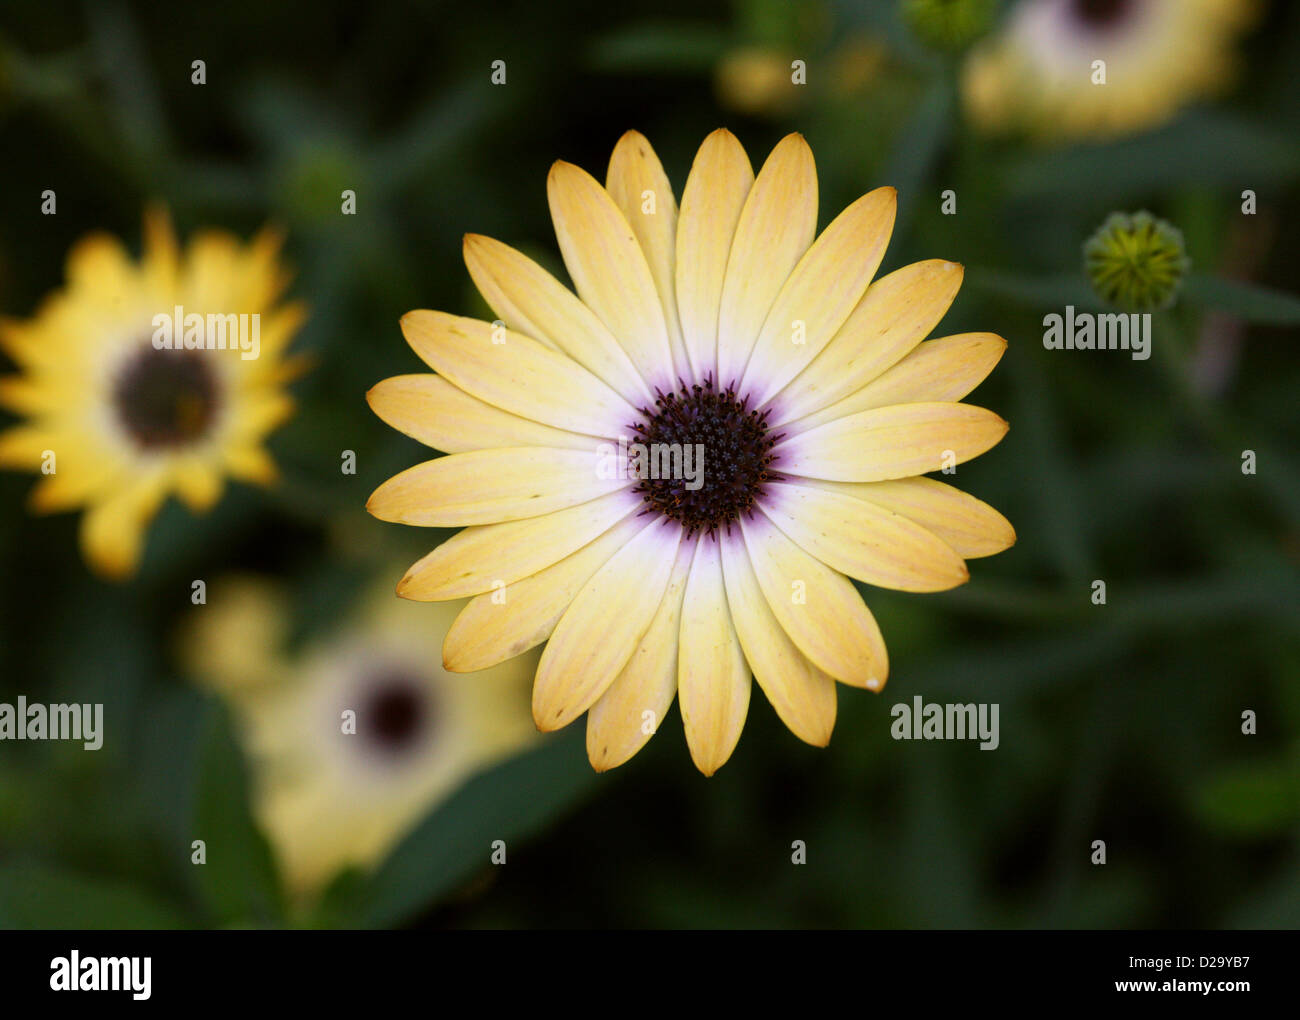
<point x="396" y="713"/>
<point x="1102" y="13"/>
<point x="166" y="398"/>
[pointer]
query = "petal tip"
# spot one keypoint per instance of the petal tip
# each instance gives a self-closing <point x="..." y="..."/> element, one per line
<point x="560" y="168"/>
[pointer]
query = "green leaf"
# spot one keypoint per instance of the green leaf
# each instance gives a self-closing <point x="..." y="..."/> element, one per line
<point x="920" y="144"/>
<point x="1257" y="799"/>
<point x="1205" y="148"/>
<point x="1244" y="300"/>
<point x="39" y="896"/>
<point x="658" y="48"/>
<point x="509" y="802"/>
<point x="238" y="881"/>
<point x="1053" y="292"/>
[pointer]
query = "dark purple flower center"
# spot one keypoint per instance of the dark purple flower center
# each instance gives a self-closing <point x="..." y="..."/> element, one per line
<point x="731" y="453"/>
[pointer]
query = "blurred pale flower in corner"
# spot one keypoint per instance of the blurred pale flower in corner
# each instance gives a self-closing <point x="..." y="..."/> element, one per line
<point x="125" y="405"/>
<point x="357" y="736"/>
<point x="1039" y="73"/>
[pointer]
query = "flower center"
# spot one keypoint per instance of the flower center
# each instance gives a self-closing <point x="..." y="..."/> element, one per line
<point x="165" y="398"/>
<point x="395" y="713"/>
<point x="723" y="448"/>
<point x="1101" y="13"/>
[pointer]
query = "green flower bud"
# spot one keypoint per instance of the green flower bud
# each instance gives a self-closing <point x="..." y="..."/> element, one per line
<point x="1136" y="261"/>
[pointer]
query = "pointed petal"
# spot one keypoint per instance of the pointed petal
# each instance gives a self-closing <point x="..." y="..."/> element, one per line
<point x="529" y="299"/>
<point x="895" y="314"/>
<point x="249" y="463"/>
<point x="803" y="696"/>
<point x="602" y="627"/>
<point x="864" y="540"/>
<point x="715" y="193"/>
<point x="712" y="676"/>
<point x="501" y="624"/>
<point x="776" y="227"/>
<point x="487" y="486"/>
<point x="639" y="187"/>
<point x="428" y="408"/>
<point x="198" y="482"/>
<point x="818" y="608"/>
<point x="618" y="725"/>
<point x="520" y="375"/>
<point x="970" y="526"/>
<point x="483" y="557"/>
<point x="609" y="270"/>
<point x="891" y="442"/>
<point x="824" y="288"/>
<point x="944" y="369"/>
<point x="112" y="531"/>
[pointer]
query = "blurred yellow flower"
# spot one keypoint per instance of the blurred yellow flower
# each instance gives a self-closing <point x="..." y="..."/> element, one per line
<point x="355" y="738"/>
<point x="143" y="379"/>
<point x="1040" y="74"/>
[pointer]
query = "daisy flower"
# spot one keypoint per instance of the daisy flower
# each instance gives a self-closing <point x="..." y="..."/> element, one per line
<point x="727" y="328"/>
<point x="357" y="736"/>
<point x="1037" y="74"/>
<point x="140" y="380"/>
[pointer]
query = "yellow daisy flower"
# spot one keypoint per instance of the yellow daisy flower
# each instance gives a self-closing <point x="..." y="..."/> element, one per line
<point x="144" y="379"/>
<point x="726" y="333"/>
<point x="1038" y="74"/>
<point x="355" y="738"/>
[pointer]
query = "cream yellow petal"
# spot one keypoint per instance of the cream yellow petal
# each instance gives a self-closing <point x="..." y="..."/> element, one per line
<point x="260" y="410"/>
<point x="198" y="483"/>
<point x="864" y="540"/>
<point x="429" y="408"/>
<point x="603" y="627"/>
<point x="609" y="270"/>
<point x="100" y="268"/>
<point x="817" y="607"/>
<point x="639" y="187"/>
<point x="970" y="526"/>
<point x="250" y="463"/>
<point x="714" y="195"/>
<point x="277" y="330"/>
<point x="112" y="531"/>
<point x="79" y="480"/>
<point x="891" y="442"/>
<point x="713" y="682"/>
<point x="518" y="375"/>
<point x="893" y="316"/>
<point x="530" y="300"/>
<point x="481" y="558"/>
<point x="29" y="396"/>
<point x="944" y="369"/>
<point x="25" y="446"/>
<point x="824" y="288"/>
<point x="633" y="707"/>
<point x="487" y="486"/>
<point x="802" y="695"/>
<point x="503" y="623"/>
<point x="776" y="227"/>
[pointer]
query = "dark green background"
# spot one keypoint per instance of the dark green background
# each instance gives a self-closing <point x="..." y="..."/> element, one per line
<point x="1118" y="722"/>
